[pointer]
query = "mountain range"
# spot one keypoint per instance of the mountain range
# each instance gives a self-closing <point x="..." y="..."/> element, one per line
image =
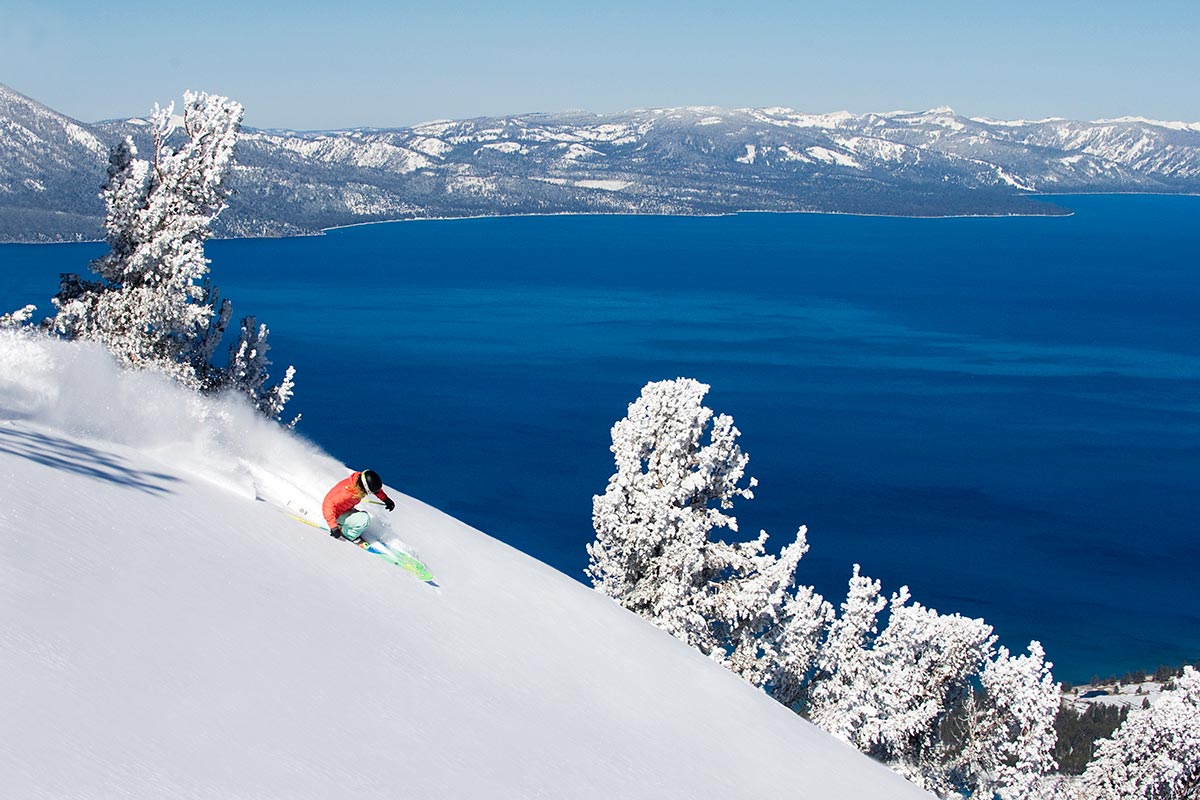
<point x="653" y="161"/>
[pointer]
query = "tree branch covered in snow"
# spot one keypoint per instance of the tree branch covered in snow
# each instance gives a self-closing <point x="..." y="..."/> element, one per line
<point x="17" y="318"/>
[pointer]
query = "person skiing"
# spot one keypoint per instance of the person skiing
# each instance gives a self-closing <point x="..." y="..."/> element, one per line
<point x="339" y="509"/>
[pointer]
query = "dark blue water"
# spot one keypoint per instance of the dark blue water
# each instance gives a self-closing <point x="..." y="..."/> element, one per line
<point x="1002" y="413"/>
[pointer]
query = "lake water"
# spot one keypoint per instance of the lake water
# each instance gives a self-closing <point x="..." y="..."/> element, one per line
<point x="1003" y="414"/>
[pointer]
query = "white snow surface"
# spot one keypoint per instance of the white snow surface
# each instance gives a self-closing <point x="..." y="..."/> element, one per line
<point x="833" y="157"/>
<point x="504" y="147"/>
<point x="167" y="632"/>
<point x="578" y="151"/>
<point x="1173" y="125"/>
<point x="607" y="185"/>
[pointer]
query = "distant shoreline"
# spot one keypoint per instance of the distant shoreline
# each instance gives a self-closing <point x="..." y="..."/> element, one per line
<point x="674" y="216"/>
<point x="1067" y="213"/>
<point x="549" y="214"/>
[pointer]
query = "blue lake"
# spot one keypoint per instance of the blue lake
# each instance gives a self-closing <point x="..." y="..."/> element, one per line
<point x="1003" y="414"/>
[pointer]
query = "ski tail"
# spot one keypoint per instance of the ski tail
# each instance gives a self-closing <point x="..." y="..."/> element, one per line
<point x="401" y="559"/>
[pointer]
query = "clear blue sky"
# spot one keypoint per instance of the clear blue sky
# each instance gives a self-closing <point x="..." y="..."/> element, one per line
<point x="337" y="64"/>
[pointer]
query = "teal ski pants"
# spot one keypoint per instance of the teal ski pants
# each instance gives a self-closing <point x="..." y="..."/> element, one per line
<point x="353" y="523"/>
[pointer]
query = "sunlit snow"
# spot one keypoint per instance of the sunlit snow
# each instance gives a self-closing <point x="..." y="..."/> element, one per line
<point x="166" y="630"/>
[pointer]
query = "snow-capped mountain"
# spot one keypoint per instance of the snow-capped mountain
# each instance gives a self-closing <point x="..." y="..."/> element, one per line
<point x="51" y="169"/>
<point x="167" y="631"/>
<point x="656" y="161"/>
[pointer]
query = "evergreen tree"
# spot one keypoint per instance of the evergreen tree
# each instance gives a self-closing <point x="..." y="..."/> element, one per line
<point x="1155" y="754"/>
<point x="247" y="371"/>
<point x="1009" y="732"/>
<point x="678" y="470"/>
<point x="1024" y="704"/>
<point x="1078" y="731"/>
<point x="892" y="692"/>
<point x="153" y="306"/>
<point x="842" y="660"/>
<point x="928" y="694"/>
<point x="773" y="628"/>
<point x="922" y="663"/>
<point x="148" y="307"/>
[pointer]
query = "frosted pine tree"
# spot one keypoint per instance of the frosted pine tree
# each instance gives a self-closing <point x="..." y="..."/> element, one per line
<point x="1155" y="754"/>
<point x="678" y="470"/>
<point x="201" y="351"/>
<point x="148" y="308"/>
<point x="889" y="693"/>
<point x="1023" y="703"/>
<point x="788" y="649"/>
<point x="153" y="306"/>
<point x="247" y="371"/>
<point x="922" y="663"/>
<point x="771" y="627"/>
<point x="669" y="492"/>
<point x="842" y="662"/>
<point x="1001" y="740"/>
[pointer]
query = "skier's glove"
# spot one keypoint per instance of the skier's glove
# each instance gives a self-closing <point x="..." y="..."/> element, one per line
<point x="336" y="533"/>
<point x="390" y="504"/>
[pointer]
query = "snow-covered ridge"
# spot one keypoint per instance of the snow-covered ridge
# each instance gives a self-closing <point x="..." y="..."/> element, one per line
<point x="685" y="160"/>
<point x="175" y="634"/>
<point x="1178" y="126"/>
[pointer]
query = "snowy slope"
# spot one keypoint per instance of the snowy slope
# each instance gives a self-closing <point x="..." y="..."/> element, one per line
<point x="167" y="632"/>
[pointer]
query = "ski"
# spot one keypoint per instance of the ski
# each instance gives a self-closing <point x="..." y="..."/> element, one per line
<point x="401" y="559"/>
<point x="396" y="557"/>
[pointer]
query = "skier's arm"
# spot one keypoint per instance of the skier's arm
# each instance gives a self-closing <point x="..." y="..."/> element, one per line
<point x="387" y="501"/>
<point x="327" y="512"/>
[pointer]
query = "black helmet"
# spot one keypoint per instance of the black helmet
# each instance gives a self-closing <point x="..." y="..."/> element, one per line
<point x="370" y="481"/>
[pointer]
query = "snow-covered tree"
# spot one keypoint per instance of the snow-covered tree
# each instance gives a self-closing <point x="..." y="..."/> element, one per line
<point x="773" y="628"/>
<point x="247" y="371"/>
<point x="153" y="305"/>
<point x="888" y="693"/>
<point x="1155" y="754"/>
<point x="678" y="470"/>
<point x="842" y="661"/>
<point x="17" y="318"/>
<point x="928" y="693"/>
<point x="790" y="648"/>
<point x="922" y="663"/>
<point x="1024" y="701"/>
<point x="1005" y="734"/>
<point x="148" y="308"/>
<point x="670" y="490"/>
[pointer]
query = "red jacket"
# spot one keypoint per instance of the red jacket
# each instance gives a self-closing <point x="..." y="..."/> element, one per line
<point x="345" y="495"/>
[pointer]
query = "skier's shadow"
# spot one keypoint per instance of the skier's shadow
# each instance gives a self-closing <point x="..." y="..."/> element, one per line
<point x="60" y="453"/>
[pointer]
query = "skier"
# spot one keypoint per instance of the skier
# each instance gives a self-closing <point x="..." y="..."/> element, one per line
<point x="345" y="520"/>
